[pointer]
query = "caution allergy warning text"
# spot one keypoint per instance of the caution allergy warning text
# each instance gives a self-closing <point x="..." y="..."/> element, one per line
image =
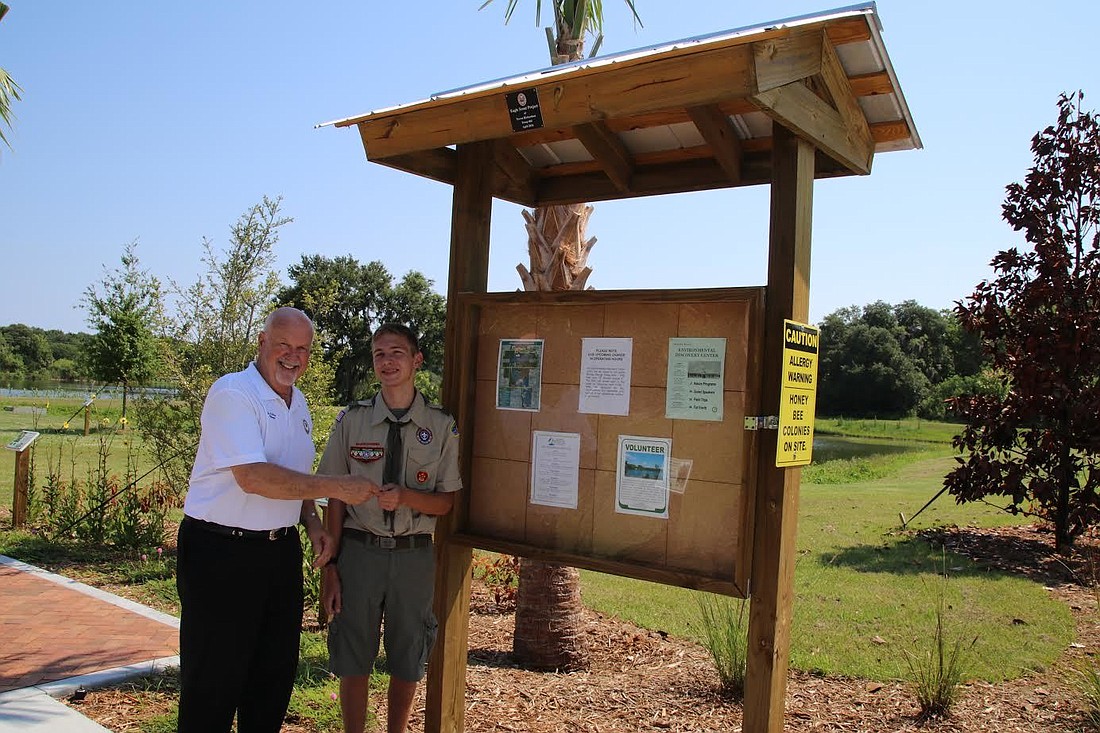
<point x="798" y="395"/>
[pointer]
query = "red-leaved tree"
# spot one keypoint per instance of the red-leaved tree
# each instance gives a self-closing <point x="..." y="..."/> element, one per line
<point x="1039" y="321"/>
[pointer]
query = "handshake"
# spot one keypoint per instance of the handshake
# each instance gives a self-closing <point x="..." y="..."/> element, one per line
<point x="357" y="489"/>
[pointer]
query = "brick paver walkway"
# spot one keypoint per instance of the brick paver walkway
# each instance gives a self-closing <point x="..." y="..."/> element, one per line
<point x="49" y="631"/>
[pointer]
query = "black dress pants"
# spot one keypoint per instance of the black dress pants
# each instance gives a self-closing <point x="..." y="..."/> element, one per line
<point x="240" y="627"/>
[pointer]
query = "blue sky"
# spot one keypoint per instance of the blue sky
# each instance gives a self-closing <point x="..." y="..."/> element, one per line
<point x="164" y="122"/>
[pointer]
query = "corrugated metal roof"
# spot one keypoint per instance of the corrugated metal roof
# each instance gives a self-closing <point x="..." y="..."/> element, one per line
<point x="416" y="137"/>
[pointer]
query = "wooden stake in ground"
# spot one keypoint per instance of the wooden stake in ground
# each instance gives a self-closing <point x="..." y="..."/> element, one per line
<point x="21" y="446"/>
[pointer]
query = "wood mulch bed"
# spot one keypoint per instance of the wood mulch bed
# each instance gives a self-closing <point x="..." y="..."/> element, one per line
<point x="646" y="680"/>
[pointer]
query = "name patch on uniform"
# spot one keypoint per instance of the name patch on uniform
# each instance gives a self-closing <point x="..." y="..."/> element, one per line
<point x="424" y="436"/>
<point x="421" y="477"/>
<point x="367" y="452"/>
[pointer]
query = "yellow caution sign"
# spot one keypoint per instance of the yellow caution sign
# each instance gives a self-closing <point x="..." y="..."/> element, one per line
<point x="797" y="395"/>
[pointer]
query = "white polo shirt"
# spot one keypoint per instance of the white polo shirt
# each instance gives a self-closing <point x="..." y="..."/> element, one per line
<point x="245" y="421"/>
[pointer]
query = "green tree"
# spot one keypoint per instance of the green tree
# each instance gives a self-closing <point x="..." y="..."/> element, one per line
<point x="213" y="331"/>
<point x="11" y="362"/>
<point x="414" y="302"/>
<point x="30" y="344"/>
<point x="926" y="339"/>
<point x="548" y="632"/>
<point x="67" y="345"/>
<point x="864" y="369"/>
<point x="348" y="300"/>
<point x="966" y="347"/>
<point x="9" y="93"/>
<point x="67" y="370"/>
<point x="1038" y="443"/>
<point x="124" y="309"/>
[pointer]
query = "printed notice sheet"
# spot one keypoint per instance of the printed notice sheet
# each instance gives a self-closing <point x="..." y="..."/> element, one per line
<point x="642" y="476"/>
<point x="605" y="375"/>
<point x="555" y="469"/>
<point x="696" y="369"/>
<point x="519" y="374"/>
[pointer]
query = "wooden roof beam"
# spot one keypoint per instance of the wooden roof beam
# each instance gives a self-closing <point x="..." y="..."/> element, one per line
<point x="606" y="147"/>
<point x="864" y="85"/>
<point x="605" y="93"/>
<point x="782" y="65"/>
<point x="780" y="61"/>
<point x="515" y="167"/>
<point x="836" y="82"/>
<point x="699" y="174"/>
<point x="719" y="133"/>
<point x="439" y="164"/>
<point x="798" y="109"/>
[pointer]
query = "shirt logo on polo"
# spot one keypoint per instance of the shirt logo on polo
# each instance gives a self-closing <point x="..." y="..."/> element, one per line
<point x="367" y="452"/>
<point x="424" y="436"/>
<point x="272" y="415"/>
<point x="305" y="425"/>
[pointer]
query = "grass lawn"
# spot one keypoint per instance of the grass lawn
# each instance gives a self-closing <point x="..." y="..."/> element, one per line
<point x="66" y="447"/>
<point x="928" y="431"/>
<point x="865" y="590"/>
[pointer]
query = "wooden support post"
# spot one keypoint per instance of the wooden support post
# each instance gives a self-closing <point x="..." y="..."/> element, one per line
<point x="773" y="557"/>
<point x="470" y="217"/>
<point x="87" y="421"/>
<point x="22" y="487"/>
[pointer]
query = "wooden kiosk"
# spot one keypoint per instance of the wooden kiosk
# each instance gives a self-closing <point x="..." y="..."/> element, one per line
<point x="780" y="104"/>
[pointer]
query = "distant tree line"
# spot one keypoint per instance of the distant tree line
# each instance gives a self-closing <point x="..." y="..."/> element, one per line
<point x="896" y="360"/>
<point x="876" y="360"/>
<point x="30" y="353"/>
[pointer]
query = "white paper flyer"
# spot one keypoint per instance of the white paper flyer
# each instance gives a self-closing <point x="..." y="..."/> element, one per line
<point x="642" y="476"/>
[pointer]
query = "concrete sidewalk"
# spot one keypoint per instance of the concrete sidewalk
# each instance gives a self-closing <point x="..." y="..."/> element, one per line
<point x="57" y="635"/>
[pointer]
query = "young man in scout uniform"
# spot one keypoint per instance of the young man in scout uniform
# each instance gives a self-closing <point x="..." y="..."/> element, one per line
<point x="386" y="564"/>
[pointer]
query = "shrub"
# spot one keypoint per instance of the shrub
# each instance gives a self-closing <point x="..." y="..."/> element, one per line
<point x="726" y="638"/>
<point x="937" y="672"/>
<point x="1088" y="685"/>
<point x="500" y="573"/>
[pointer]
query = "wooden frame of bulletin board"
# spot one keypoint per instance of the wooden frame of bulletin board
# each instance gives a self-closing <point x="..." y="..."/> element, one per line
<point x="706" y="540"/>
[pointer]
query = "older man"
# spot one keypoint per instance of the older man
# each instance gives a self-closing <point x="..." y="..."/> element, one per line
<point x="240" y="559"/>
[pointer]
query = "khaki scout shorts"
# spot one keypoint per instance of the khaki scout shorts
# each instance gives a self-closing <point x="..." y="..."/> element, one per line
<point x="375" y="583"/>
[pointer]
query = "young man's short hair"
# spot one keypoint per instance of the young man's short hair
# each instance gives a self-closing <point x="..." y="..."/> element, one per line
<point x="398" y="329"/>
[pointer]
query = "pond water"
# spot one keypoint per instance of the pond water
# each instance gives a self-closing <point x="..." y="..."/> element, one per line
<point x="66" y="390"/>
<point x="833" y="447"/>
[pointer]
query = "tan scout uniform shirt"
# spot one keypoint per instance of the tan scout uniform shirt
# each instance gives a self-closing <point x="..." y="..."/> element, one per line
<point x="357" y="446"/>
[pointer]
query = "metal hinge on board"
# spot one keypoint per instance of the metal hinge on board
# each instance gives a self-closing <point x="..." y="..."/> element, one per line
<point x="762" y="422"/>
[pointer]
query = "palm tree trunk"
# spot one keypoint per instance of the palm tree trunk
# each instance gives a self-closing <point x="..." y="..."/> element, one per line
<point x="549" y="633"/>
<point x="557" y="248"/>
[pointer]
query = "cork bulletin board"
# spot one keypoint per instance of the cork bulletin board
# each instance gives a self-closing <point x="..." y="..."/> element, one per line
<point x="705" y="542"/>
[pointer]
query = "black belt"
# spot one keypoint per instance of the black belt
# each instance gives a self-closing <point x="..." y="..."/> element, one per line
<point x="248" y="534"/>
<point x="401" y="542"/>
